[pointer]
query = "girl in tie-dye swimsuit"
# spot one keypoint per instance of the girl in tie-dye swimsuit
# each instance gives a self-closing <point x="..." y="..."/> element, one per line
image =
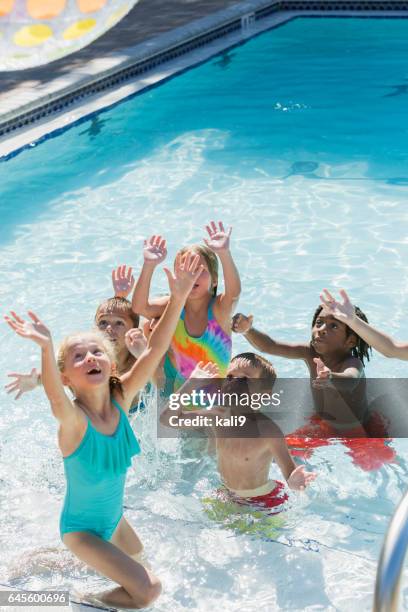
<point x="203" y="332"/>
<point x="186" y="351"/>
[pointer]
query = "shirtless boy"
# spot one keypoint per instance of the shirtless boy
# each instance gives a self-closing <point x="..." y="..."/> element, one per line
<point x="244" y="452"/>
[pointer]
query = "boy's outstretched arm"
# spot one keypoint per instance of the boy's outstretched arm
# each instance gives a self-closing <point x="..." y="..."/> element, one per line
<point x="154" y="252"/>
<point x="242" y="324"/>
<point x="35" y="330"/>
<point x="296" y="476"/>
<point x="345" y="311"/>
<point x="181" y="283"/>
<point x="219" y="241"/>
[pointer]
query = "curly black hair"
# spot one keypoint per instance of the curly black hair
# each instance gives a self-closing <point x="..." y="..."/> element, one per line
<point x="362" y="349"/>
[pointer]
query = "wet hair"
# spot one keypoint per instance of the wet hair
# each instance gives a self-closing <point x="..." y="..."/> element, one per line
<point x="210" y="259"/>
<point x="258" y="362"/>
<point x="114" y="381"/>
<point x="362" y="349"/>
<point x="120" y="306"/>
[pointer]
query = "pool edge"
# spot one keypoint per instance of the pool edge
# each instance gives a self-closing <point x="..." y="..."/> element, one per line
<point x="128" y="72"/>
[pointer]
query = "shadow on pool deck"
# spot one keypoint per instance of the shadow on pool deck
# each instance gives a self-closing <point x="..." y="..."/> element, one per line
<point x="146" y="20"/>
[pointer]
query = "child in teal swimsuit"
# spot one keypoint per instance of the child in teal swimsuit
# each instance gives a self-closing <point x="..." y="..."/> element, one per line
<point x="97" y="442"/>
<point x="203" y="332"/>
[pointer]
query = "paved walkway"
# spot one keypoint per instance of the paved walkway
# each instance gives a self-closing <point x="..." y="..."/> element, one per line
<point x="146" y="20"/>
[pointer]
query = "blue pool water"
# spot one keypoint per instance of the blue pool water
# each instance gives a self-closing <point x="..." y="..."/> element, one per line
<point x="298" y="140"/>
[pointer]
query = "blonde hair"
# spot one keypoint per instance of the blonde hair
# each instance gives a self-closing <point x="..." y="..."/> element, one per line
<point x="210" y="259"/>
<point x="103" y="340"/>
<point x="119" y="305"/>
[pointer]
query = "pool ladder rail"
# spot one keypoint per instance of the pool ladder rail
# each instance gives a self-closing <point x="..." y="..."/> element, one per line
<point x="391" y="561"/>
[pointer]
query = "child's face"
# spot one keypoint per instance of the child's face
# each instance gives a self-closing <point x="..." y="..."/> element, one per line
<point x="86" y="363"/>
<point x="238" y="373"/>
<point x="329" y="335"/>
<point x="114" y="325"/>
<point x="203" y="284"/>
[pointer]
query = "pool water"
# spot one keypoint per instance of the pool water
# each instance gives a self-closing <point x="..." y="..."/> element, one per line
<point x="298" y="140"/>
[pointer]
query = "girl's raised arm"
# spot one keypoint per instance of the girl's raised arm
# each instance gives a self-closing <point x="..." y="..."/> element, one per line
<point x="243" y="325"/>
<point x="180" y="283"/>
<point x="154" y="252"/>
<point x="345" y="312"/>
<point x="34" y="330"/>
<point x="219" y="241"/>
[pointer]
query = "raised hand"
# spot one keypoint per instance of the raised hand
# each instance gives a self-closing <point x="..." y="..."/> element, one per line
<point x="205" y="370"/>
<point x="33" y="330"/>
<point x="323" y="375"/>
<point x="218" y="238"/>
<point x="186" y="271"/>
<point x="122" y="281"/>
<point x="344" y="311"/>
<point x="22" y="382"/>
<point x="241" y="324"/>
<point x="300" y="479"/>
<point x="135" y="341"/>
<point x="154" y="250"/>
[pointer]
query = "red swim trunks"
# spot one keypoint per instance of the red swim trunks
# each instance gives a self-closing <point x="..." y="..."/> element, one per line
<point x="368" y="453"/>
<point x="276" y="497"/>
<point x="273" y="499"/>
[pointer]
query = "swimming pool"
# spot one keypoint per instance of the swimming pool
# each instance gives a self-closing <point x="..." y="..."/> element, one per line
<point x="297" y="139"/>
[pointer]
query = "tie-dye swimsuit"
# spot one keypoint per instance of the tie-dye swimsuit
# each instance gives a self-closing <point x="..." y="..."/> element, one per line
<point x="186" y="351"/>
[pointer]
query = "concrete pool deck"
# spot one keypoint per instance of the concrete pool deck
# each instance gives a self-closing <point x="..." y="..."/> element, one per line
<point x="145" y="21"/>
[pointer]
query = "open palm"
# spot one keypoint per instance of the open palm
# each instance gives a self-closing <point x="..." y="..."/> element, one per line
<point x="135" y="341"/>
<point x="154" y="250"/>
<point x="205" y="370"/>
<point x="218" y="239"/>
<point x="34" y="330"/>
<point x="186" y="271"/>
<point x="122" y="281"/>
<point x="300" y="479"/>
<point x="344" y="311"/>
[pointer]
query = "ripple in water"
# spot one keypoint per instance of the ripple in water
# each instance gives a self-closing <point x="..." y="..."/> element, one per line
<point x="290" y="239"/>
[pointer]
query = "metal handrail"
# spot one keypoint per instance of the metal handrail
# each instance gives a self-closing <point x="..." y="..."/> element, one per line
<point x="392" y="560"/>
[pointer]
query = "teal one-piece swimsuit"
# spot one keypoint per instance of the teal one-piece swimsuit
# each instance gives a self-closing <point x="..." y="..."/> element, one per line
<point x="96" y="473"/>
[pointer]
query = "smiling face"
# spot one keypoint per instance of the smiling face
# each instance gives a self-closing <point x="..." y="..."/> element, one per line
<point x="114" y="325"/>
<point x="331" y="336"/>
<point x="85" y="362"/>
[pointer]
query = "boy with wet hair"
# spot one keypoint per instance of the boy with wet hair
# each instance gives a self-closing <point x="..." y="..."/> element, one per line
<point x="262" y="366"/>
<point x="362" y="349"/>
<point x="246" y="440"/>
